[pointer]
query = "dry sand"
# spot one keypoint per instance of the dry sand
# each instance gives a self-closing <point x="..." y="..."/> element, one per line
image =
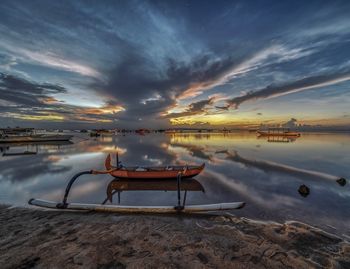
<point x="55" y="239"/>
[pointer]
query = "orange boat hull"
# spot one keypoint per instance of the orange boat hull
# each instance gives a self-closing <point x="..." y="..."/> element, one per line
<point x="155" y="174"/>
<point x="152" y="173"/>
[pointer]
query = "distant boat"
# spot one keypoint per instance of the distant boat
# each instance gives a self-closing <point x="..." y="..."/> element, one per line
<point x="253" y="130"/>
<point x="35" y="143"/>
<point x="142" y="131"/>
<point x="170" y="131"/>
<point x="20" y="135"/>
<point x="101" y="132"/>
<point x="277" y="132"/>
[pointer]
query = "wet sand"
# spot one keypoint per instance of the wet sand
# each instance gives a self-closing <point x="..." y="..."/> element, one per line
<point x="54" y="239"/>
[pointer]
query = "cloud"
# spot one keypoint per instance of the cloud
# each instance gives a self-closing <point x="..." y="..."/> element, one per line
<point x="148" y="94"/>
<point x="50" y="59"/>
<point x="32" y="101"/>
<point x="253" y="61"/>
<point x="288" y="88"/>
<point x="148" y="59"/>
<point x="23" y="92"/>
<point x="192" y="109"/>
<point x="7" y="61"/>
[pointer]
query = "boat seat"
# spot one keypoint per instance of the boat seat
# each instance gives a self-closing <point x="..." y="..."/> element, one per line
<point x="130" y="168"/>
<point x="141" y="169"/>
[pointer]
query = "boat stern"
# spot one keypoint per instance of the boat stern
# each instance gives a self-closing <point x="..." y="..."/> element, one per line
<point x="108" y="164"/>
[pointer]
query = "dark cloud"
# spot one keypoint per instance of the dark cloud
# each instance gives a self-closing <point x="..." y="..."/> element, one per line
<point x="32" y="100"/>
<point x="193" y="109"/>
<point x="292" y="87"/>
<point x="23" y="92"/>
<point x="132" y="82"/>
<point x="149" y="56"/>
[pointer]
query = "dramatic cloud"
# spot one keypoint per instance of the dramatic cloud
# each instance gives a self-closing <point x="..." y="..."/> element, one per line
<point x="51" y="60"/>
<point x="238" y="68"/>
<point x="144" y="93"/>
<point x="131" y="64"/>
<point x="28" y="100"/>
<point x="293" y="87"/>
<point x="22" y="92"/>
<point x="193" y="109"/>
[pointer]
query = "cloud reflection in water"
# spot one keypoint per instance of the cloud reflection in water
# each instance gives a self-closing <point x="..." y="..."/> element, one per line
<point x="266" y="177"/>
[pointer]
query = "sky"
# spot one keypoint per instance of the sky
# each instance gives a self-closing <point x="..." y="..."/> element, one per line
<point x="164" y="64"/>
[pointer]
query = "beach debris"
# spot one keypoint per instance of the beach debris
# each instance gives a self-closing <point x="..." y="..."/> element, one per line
<point x="304" y="190"/>
<point x="341" y="181"/>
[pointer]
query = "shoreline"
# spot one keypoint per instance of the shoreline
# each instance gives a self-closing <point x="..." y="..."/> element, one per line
<point x="32" y="238"/>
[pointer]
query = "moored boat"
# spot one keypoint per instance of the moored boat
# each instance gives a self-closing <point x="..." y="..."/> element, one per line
<point x="164" y="172"/>
<point x="101" y="132"/>
<point x="19" y="135"/>
<point x="120" y="185"/>
<point x="277" y="132"/>
<point x="34" y="138"/>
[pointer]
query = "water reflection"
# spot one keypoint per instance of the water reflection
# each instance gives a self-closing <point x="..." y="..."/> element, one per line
<point x="22" y="148"/>
<point x="239" y="167"/>
<point x="121" y="185"/>
<point x="278" y="139"/>
<point x="268" y="166"/>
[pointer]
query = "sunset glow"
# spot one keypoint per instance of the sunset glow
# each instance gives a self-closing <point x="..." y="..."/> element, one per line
<point x="158" y="71"/>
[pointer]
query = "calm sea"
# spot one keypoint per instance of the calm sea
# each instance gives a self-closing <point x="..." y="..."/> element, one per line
<point x="265" y="173"/>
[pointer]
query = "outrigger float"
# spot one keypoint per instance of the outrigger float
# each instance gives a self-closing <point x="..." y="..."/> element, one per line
<point x="170" y="178"/>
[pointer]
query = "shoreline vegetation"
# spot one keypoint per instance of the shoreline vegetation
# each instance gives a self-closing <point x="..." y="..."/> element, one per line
<point x="31" y="238"/>
<point x="109" y="131"/>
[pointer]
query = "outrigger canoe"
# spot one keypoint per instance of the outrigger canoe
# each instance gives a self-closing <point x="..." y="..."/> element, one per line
<point x="149" y="183"/>
<point x="165" y="172"/>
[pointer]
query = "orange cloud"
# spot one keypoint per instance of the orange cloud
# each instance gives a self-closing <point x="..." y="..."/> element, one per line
<point x="107" y="109"/>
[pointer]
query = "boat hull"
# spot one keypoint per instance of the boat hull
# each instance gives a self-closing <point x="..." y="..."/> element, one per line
<point x="140" y="175"/>
<point x="139" y="209"/>
<point x="171" y="172"/>
<point x="262" y="133"/>
<point x="36" y="138"/>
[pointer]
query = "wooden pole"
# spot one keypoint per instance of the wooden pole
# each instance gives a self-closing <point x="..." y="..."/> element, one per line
<point x="178" y="190"/>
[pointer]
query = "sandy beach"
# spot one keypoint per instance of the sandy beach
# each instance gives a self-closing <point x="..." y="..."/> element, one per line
<point x="54" y="239"/>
